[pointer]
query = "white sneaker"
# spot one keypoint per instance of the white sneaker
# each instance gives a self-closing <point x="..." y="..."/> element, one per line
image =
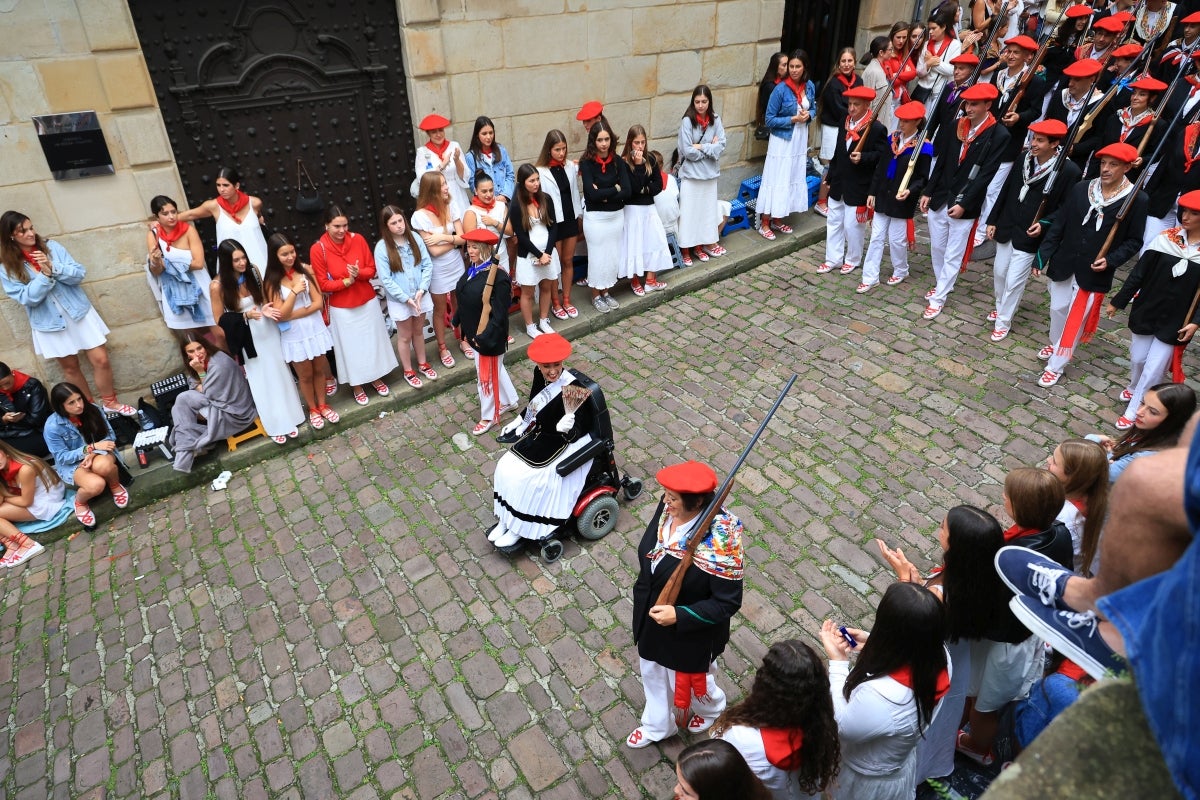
<point x="612" y="303"/>
<point x="544" y="326"/>
<point x="599" y="304"/>
<point x="532" y="331"/>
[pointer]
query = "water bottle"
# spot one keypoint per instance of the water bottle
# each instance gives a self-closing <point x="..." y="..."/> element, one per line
<point x="146" y="423"/>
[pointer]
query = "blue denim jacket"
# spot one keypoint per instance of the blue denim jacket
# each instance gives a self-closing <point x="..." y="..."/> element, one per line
<point x="501" y="170"/>
<point x="783" y="106"/>
<point x="63" y="285"/>
<point x="66" y="443"/>
<point x="404" y="284"/>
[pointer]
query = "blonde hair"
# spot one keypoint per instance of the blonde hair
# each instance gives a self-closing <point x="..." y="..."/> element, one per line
<point x="41" y="469"/>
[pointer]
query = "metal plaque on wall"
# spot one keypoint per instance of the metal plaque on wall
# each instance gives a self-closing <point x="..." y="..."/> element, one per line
<point x="74" y="145"/>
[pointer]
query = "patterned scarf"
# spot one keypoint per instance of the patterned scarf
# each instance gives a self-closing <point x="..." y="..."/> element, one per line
<point x="968" y="136"/>
<point x="1097" y="202"/>
<point x="1147" y="29"/>
<point x="1032" y="171"/>
<point x="719" y="553"/>
<point x="1129" y="121"/>
<point x="1190" y="152"/>
<point x="1173" y="242"/>
<point x="854" y="130"/>
<point x="1006" y="82"/>
<point x="899" y="148"/>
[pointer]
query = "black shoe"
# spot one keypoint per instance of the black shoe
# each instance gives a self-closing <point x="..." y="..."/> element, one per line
<point x="512" y="549"/>
<point x="507" y="438"/>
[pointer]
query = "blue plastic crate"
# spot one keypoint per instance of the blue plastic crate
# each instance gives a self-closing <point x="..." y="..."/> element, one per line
<point x="814" y="186"/>
<point x="749" y="188"/>
<point x="739" y="216"/>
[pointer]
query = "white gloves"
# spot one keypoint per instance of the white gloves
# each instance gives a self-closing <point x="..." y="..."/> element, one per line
<point x="512" y="426"/>
<point x="565" y="424"/>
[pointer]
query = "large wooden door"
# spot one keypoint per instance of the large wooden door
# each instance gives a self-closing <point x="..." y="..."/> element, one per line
<point x="822" y="28"/>
<point x="256" y="85"/>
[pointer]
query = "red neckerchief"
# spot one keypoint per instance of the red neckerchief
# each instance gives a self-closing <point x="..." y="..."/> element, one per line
<point x="847" y="83"/>
<point x="779" y="80"/>
<point x="433" y="212"/>
<point x="797" y="89"/>
<point x="942" y="48"/>
<point x="1194" y="81"/>
<point x="603" y="162"/>
<point x="663" y="175"/>
<point x="966" y="137"/>
<point x="289" y="274"/>
<point x="903" y="676"/>
<point x="76" y="421"/>
<point x="1016" y="532"/>
<point x="232" y="210"/>
<point x="439" y="150"/>
<point x="703" y="122"/>
<point x="19" y="381"/>
<point x="487" y="151"/>
<point x="1190" y="135"/>
<point x="10" y="476"/>
<point x="30" y="260"/>
<point x="1080" y="505"/>
<point x="1125" y="116"/>
<point x="174" y="235"/>
<point x="854" y="130"/>
<point x="1070" y="669"/>
<point x="533" y="201"/>
<point x="554" y="162"/>
<point x="485" y="206"/>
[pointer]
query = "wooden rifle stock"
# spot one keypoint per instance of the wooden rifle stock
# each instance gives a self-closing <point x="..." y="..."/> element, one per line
<point x="878" y="105"/>
<point x="1025" y="81"/>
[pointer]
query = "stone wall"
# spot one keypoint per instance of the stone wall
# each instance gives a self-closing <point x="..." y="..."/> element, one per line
<point x="531" y="64"/>
<point x="78" y="56"/>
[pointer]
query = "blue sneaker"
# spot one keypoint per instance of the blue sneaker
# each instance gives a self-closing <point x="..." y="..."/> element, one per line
<point x="1075" y="635"/>
<point x="1030" y="574"/>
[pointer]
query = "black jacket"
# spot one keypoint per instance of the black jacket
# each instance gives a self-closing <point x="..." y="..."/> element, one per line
<point x="884" y="188"/>
<point x="541" y="443"/>
<point x="1054" y="543"/>
<point x="1090" y="141"/>
<point x="834" y="107"/>
<point x="850" y="183"/>
<point x="31" y="400"/>
<point x="1162" y="301"/>
<point x="600" y="191"/>
<point x="1172" y="177"/>
<point x="965" y="184"/>
<point x="1070" y="247"/>
<point x="525" y="246"/>
<point x="1028" y="110"/>
<point x="1012" y="216"/>
<point x="493" y="341"/>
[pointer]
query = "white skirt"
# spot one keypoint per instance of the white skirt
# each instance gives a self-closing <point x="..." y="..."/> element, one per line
<point x="537" y="492"/>
<point x="829" y="135"/>
<point x="272" y="386"/>
<point x="447" y="269"/>
<point x="646" y="247"/>
<point x="401" y="312"/>
<point x="80" y="334"/>
<point x="47" y="502"/>
<point x="360" y="339"/>
<point x="529" y="273"/>
<point x="605" y="236"/>
<point x="308" y="337"/>
<point x="699" y="214"/>
<point x="784" y="188"/>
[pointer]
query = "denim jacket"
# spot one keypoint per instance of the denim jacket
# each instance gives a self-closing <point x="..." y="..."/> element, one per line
<point x="783" y="106"/>
<point x="500" y="168"/>
<point x="66" y="444"/>
<point x="404" y="284"/>
<point x="63" y="285"/>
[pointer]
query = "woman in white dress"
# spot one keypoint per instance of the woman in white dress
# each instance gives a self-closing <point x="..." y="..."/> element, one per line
<point x="701" y="143"/>
<point x="290" y="286"/>
<point x="441" y="230"/>
<point x="784" y="187"/>
<point x="444" y="156"/>
<point x="605" y="180"/>
<point x="175" y="270"/>
<point x="488" y="210"/>
<point x="41" y="275"/>
<point x="238" y="292"/>
<point x="238" y="215"/>
<point x="646" y="249"/>
<point x="533" y="224"/>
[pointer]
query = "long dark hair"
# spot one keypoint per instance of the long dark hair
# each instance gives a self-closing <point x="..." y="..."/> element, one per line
<point x="791" y="692"/>
<point x="227" y="277"/>
<point x="274" y="271"/>
<point x="389" y="241"/>
<point x="602" y="125"/>
<point x="876" y="49"/>
<point x="908" y="632"/>
<point x="702" y="89"/>
<point x="524" y="198"/>
<point x="10" y="251"/>
<point x="717" y="771"/>
<point x="975" y="597"/>
<point x="93" y="426"/>
<point x="1179" y="400"/>
<point x="228" y="173"/>
<point x="649" y="165"/>
<point x="189" y="338"/>
<point x="767" y="84"/>
<point x="476" y="146"/>
<point x="553" y="137"/>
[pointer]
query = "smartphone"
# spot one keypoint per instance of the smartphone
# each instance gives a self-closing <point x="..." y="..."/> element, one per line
<point x="850" y="640"/>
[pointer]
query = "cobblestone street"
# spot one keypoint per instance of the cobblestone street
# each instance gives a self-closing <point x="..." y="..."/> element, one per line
<point x="335" y="624"/>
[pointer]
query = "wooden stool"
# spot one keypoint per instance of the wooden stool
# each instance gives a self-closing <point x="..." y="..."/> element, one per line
<point x="254" y="430"/>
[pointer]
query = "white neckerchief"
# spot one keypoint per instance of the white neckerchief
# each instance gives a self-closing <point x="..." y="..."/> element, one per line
<point x="1097" y="202"/>
<point x="1173" y="242"/>
<point x="1032" y="171"/>
<point x="1007" y="83"/>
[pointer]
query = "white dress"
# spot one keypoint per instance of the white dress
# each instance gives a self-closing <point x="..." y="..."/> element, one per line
<point x="184" y="321"/>
<point x="427" y="160"/>
<point x="448" y="267"/>
<point x="527" y="273"/>
<point x="307" y="337"/>
<point x="79" y="334"/>
<point x="271" y="383"/>
<point x="784" y="188"/>
<point x="247" y="232"/>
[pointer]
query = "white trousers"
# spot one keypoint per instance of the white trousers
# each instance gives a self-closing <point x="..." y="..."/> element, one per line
<point x="658" y="684"/>
<point x="948" y="239"/>
<point x="989" y="200"/>
<point x="487" y="400"/>
<point x="1011" y="273"/>
<point x="1148" y="360"/>
<point x="1155" y="226"/>
<point x="844" y="234"/>
<point x="894" y="232"/>
<point x="1062" y="297"/>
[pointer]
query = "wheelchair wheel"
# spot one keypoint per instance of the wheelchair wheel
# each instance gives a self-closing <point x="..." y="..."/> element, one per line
<point x="631" y="488"/>
<point x="552" y="551"/>
<point x="598" y="518"/>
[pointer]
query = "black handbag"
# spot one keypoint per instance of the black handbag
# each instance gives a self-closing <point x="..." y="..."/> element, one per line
<point x="307" y="202"/>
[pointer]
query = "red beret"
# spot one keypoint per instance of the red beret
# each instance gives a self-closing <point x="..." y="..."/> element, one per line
<point x="1190" y="201"/>
<point x="1131" y="50"/>
<point x="591" y="109"/>
<point x="1109" y="24"/>
<point x="1052" y="128"/>
<point x="968" y="59"/>
<point x="860" y="92"/>
<point x="482" y="235"/>
<point x="1083" y="68"/>
<point x="1023" y="41"/>
<point x="1118" y="150"/>
<point x="549" y="348"/>
<point x="690" y="477"/>
<point x="913" y="109"/>
<point x="1191" y="19"/>
<point x="1077" y="11"/>
<point x="1148" y="84"/>
<point x="980" y="91"/>
<point x="1123" y="17"/>
<point x="434" y="122"/>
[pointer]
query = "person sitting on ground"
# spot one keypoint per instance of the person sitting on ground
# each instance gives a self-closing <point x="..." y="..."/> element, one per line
<point x="712" y="769"/>
<point x="84" y="449"/>
<point x="29" y="491"/>
<point x="1032" y="499"/>
<point x="1165" y="410"/>
<point x="785" y="727"/>
<point x="24" y="407"/>
<point x="218" y="404"/>
<point x="1082" y="468"/>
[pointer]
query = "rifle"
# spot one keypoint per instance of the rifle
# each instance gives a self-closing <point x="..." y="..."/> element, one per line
<point x="928" y="129"/>
<point x="485" y="312"/>
<point x="877" y="107"/>
<point x="987" y="45"/>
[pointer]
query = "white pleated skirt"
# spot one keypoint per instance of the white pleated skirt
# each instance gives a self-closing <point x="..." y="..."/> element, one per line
<point x="360" y="339"/>
<point x="699" y="214"/>
<point x="646" y="247"/>
<point x="533" y="502"/>
<point x="605" y="246"/>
